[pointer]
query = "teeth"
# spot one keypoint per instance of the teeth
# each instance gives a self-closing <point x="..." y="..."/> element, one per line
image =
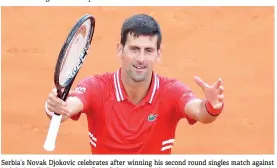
<point x="139" y="67"/>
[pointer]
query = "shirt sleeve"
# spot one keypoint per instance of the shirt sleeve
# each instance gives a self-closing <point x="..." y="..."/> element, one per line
<point x="88" y="90"/>
<point x="181" y="94"/>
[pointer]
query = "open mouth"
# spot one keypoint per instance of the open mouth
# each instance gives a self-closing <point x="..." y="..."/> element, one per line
<point x="139" y="67"/>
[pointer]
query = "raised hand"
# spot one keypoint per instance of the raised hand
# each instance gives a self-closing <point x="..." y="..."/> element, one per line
<point x="213" y="93"/>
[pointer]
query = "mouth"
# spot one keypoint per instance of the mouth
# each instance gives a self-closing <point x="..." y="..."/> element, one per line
<point x="139" y="67"/>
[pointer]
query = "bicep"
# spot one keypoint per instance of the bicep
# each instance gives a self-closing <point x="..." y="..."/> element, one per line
<point x="87" y="97"/>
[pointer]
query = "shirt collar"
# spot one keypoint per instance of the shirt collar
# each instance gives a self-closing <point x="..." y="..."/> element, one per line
<point x="120" y="91"/>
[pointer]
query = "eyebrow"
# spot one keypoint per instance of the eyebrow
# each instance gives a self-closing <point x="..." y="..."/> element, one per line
<point x="153" y="48"/>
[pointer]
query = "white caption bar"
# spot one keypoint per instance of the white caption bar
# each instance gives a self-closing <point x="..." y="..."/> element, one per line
<point x="153" y="161"/>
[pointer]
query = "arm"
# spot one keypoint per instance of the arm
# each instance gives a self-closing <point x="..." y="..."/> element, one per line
<point x="196" y="109"/>
<point x="86" y="97"/>
<point x="206" y="111"/>
<point x="73" y="106"/>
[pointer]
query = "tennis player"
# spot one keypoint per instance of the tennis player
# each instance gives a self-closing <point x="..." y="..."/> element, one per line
<point x="134" y="110"/>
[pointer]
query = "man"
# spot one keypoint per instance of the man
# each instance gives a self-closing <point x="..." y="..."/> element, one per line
<point x="134" y="110"/>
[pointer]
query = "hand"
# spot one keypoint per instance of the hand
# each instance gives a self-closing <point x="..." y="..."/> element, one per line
<point x="57" y="105"/>
<point x="213" y="93"/>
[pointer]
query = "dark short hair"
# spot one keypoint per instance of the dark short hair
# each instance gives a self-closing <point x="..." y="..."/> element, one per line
<point x="141" y="24"/>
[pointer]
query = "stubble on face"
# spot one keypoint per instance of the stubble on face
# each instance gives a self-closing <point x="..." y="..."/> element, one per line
<point x="138" y="57"/>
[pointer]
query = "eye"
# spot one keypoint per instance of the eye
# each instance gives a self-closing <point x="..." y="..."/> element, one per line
<point x="134" y="48"/>
<point x="149" y="50"/>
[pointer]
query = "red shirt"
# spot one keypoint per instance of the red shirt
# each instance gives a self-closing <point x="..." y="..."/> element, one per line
<point x="116" y="126"/>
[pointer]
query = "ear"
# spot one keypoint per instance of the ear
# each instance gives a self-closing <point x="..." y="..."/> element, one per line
<point x="159" y="54"/>
<point x="119" y="49"/>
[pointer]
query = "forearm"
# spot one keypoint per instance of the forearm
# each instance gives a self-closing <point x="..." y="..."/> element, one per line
<point x="197" y="109"/>
<point x="73" y="105"/>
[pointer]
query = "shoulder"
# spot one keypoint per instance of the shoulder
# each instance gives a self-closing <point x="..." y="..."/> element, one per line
<point x="173" y="85"/>
<point x="102" y="80"/>
<point x="98" y="84"/>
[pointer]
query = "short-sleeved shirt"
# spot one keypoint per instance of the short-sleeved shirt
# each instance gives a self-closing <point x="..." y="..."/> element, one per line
<point x="117" y="126"/>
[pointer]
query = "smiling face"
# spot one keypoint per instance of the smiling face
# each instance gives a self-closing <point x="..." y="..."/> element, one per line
<point x="139" y="55"/>
<point x="139" y="47"/>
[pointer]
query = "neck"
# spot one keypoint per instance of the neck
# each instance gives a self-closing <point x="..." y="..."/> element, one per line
<point x="136" y="91"/>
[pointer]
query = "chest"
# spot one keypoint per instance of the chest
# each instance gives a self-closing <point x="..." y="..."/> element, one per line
<point x="126" y="123"/>
<point x="130" y="118"/>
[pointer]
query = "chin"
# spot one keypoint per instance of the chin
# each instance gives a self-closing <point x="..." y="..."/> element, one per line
<point x="139" y="78"/>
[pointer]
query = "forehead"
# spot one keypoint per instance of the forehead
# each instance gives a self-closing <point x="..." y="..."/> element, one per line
<point x="142" y="41"/>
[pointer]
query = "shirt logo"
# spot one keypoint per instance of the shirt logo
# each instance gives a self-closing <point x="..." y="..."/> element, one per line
<point x="80" y="90"/>
<point x="152" y="117"/>
<point x="187" y="94"/>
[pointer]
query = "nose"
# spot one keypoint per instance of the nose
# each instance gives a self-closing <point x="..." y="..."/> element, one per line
<point x="140" y="58"/>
